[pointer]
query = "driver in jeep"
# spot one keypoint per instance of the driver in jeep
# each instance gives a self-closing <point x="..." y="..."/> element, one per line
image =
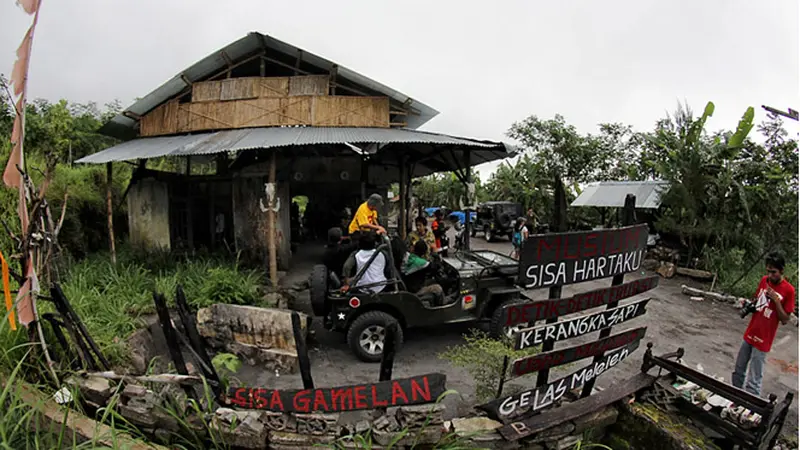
<point x="378" y="267"/>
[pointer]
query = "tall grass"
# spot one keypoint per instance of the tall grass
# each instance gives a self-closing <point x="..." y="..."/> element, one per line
<point x="111" y="299"/>
<point x="22" y="425"/>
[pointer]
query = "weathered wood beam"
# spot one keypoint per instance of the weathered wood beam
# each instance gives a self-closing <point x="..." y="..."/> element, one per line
<point x="110" y="212"/>
<point x="332" y="81"/>
<point x="299" y="60"/>
<point x="131" y="115"/>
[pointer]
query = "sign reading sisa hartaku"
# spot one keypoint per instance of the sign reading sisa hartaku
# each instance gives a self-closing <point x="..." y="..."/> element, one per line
<point x="575" y="257"/>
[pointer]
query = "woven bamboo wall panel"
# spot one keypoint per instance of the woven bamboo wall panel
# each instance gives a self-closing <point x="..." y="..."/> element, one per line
<point x="308" y="85"/>
<point x="330" y="111"/>
<point x="162" y="120"/>
<point x="238" y="88"/>
<point x="336" y="111"/>
<point x="206" y="91"/>
<point x="272" y="87"/>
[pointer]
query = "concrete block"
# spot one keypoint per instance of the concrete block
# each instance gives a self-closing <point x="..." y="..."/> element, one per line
<point x="416" y="416"/>
<point x="244" y="429"/>
<point x="317" y="424"/>
<point x="474" y="426"/>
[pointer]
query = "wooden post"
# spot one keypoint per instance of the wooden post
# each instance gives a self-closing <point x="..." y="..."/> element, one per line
<point x="403" y="218"/>
<point x="110" y="212"/>
<point x="628" y="218"/>
<point x="271" y="226"/>
<point x="559" y="225"/>
<point x="389" y="351"/>
<point x="467" y="181"/>
<point x="191" y="332"/>
<point x="302" y="352"/>
<point x="502" y="383"/>
<point x="171" y="337"/>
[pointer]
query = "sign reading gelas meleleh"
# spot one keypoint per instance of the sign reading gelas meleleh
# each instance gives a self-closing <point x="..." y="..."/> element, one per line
<point x="407" y="391"/>
<point x="575" y="257"/>
<point x="544" y="396"/>
<point x="579" y="326"/>
<point x="548" y="309"/>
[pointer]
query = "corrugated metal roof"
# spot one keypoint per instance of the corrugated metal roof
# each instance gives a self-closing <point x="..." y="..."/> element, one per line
<point x="612" y="194"/>
<point x="264" y="138"/>
<point x="241" y="49"/>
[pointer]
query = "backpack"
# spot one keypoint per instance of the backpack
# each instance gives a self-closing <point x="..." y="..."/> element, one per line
<point x="516" y="239"/>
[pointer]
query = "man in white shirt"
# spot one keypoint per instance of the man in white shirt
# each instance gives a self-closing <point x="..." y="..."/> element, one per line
<point x="378" y="271"/>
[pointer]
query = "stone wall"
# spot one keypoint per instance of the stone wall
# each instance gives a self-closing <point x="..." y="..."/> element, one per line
<point x="422" y="425"/>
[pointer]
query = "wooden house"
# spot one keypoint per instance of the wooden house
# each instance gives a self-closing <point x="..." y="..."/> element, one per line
<point x="268" y="115"/>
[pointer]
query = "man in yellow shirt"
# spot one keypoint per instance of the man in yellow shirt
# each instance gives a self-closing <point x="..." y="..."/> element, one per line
<point x="366" y="217"/>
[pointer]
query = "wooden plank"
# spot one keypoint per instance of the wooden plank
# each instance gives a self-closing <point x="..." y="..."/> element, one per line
<point x="540" y="397"/>
<point x="416" y="390"/>
<point x="531" y="425"/>
<point x="308" y="85"/>
<point x="161" y="120"/>
<point x="575" y="257"/>
<point x="547" y="309"/>
<point x="558" y="357"/>
<point x="579" y="326"/>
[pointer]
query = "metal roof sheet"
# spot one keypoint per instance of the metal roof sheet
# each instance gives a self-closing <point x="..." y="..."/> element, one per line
<point x="423" y="144"/>
<point x="612" y="194"/>
<point x="241" y="49"/>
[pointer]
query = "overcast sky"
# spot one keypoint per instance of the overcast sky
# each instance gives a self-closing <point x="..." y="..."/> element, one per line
<point x="483" y="65"/>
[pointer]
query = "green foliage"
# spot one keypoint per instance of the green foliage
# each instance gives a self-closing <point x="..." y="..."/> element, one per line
<point x="112" y="300"/>
<point x="55" y="135"/>
<point x="445" y="190"/>
<point x="483" y="356"/>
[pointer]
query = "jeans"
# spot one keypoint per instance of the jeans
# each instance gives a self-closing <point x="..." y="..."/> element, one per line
<point x="756" y="358"/>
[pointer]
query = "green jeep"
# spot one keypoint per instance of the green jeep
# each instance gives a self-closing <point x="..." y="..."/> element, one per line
<point x="476" y="285"/>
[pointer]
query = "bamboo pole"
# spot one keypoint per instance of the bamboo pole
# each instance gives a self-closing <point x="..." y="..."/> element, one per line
<point x="271" y="225"/>
<point x="110" y="212"/>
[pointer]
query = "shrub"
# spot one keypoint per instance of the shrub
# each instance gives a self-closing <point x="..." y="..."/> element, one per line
<point x="483" y="357"/>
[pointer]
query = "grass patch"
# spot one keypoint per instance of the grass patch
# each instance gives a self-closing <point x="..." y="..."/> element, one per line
<point x="111" y="300"/>
<point x="483" y="356"/>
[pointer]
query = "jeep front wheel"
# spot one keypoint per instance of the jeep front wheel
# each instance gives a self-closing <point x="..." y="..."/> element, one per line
<point x="497" y="328"/>
<point x="366" y="334"/>
<point x="488" y="234"/>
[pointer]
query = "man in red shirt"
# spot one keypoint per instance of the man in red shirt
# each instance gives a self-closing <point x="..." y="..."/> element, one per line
<point x="774" y="301"/>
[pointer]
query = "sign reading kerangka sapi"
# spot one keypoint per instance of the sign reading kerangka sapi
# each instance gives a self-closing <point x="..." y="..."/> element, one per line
<point x="547" y="309"/>
<point x="575" y="257"/>
<point x="579" y="326"/>
<point x="407" y="391"/>
<point x="558" y="357"/>
<point x="544" y="396"/>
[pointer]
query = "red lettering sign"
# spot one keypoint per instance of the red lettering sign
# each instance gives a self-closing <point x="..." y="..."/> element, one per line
<point x="407" y="391"/>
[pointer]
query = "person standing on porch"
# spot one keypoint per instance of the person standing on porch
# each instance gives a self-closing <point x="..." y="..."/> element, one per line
<point x="366" y="216"/>
<point x="774" y="302"/>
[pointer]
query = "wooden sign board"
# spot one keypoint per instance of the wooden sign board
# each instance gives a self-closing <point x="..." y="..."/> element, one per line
<point x="558" y="357"/>
<point x="541" y="397"/>
<point x="588" y="323"/>
<point x="408" y="391"/>
<point x="548" y="309"/>
<point x="566" y="258"/>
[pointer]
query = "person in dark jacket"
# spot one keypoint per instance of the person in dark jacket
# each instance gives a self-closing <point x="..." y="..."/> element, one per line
<point x="336" y="251"/>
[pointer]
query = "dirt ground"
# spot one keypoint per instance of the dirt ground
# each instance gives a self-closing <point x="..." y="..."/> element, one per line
<point x="710" y="333"/>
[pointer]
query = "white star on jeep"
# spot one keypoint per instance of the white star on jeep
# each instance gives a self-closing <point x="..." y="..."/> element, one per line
<point x="341" y="316"/>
